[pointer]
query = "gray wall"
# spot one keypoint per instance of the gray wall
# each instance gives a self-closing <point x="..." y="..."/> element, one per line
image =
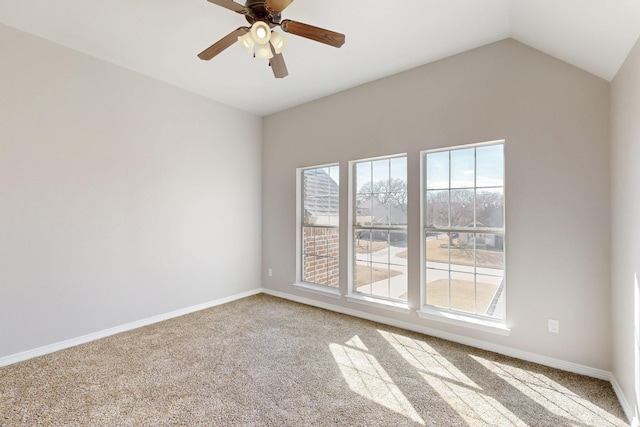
<point x="625" y="228"/>
<point x="555" y="119"/>
<point x="121" y="197"/>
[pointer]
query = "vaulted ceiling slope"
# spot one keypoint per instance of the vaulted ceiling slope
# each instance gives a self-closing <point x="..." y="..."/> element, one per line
<point x="161" y="38"/>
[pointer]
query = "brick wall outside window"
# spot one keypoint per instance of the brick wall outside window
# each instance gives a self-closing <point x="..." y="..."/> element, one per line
<point x="320" y="255"/>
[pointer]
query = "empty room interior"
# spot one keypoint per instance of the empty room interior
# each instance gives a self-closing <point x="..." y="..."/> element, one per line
<point x="457" y="176"/>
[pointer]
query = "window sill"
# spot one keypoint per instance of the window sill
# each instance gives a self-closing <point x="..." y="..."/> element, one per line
<point x="379" y="303"/>
<point x="493" y="326"/>
<point x="318" y="289"/>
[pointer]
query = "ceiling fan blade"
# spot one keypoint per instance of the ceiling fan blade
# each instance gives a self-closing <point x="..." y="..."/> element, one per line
<point x="223" y="43"/>
<point x="277" y="6"/>
<point x="277" y="65"/>
<point x="314" y="33"/>
<point x="231" y="5"/>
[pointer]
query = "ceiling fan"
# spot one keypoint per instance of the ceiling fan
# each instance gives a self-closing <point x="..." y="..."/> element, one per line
<point x="263" y="15"/>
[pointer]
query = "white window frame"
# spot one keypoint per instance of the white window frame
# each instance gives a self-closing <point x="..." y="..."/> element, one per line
<point x="459" y="318"/>
<point x="353" y="294"/>
<point x="300" y="223"/>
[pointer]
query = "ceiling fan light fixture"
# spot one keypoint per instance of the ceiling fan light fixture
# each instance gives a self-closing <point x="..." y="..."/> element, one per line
<point x="258" y="39"/>
<point x="247" y="42"/>
<point x="261" y="32"/>
<point x="264" y="51"/>
<point x="278" y="41"/>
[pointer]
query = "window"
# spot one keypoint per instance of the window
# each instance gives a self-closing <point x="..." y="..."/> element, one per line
<point x="464" y="230"/>
<point x="380" y="228"/>
<point x="319" y="225"/>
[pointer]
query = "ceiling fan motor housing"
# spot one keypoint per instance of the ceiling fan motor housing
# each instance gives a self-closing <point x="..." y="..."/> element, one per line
<point x="259" y="12"/>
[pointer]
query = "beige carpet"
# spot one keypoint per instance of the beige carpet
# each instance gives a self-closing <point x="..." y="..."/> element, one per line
<point x="263" y="361"/>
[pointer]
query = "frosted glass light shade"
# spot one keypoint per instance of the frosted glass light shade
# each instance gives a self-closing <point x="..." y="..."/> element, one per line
<point x="247" y="42"/>
<point x="264" y="51"/>
<point x="278" y="41"/>
<point x="261" y="32"/>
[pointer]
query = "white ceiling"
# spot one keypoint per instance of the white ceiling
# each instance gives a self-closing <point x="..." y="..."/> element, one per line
<point x="161" y="38"/>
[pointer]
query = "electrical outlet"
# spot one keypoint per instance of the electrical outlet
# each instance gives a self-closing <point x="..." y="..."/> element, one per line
<point x="270" y="273"/>
<point x="554" y="326"/>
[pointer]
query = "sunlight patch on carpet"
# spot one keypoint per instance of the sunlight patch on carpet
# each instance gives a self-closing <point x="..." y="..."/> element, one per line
<point x="463" y="395"/>
<point x="356" y="342"/>
<point x="552" y="396"/>
<point x="366" y="377"/>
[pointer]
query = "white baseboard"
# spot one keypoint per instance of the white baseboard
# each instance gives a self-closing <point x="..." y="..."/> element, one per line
<point x="628" y="409"/>
<point x="507" y="351"/>
<point x="51" y="348"/>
